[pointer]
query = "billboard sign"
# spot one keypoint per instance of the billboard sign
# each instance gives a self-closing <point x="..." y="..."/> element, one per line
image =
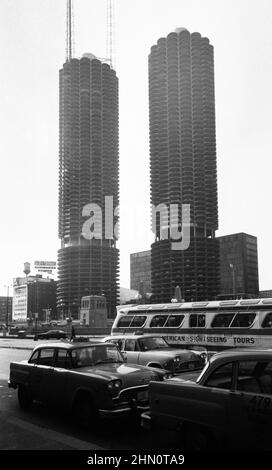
<point x="19" y="305"/>
<point x="45" y="266"/>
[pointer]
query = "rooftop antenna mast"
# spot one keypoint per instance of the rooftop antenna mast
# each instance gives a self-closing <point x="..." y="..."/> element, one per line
<point x="69" y="31"/>
<point x="110" y="33"/>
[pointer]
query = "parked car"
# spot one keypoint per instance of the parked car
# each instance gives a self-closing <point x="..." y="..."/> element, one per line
<point x="88" y="380"/>
<point x="229" y="405"/>
<point x="21" y="333"/>
<point x="154" y="351"/>
<point x="51" y="334"/>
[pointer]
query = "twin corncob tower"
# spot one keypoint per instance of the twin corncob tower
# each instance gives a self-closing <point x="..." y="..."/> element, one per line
<point x="182" y="161"/>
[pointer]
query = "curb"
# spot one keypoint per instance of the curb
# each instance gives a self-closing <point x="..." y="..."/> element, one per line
<point x="26" y="348"/>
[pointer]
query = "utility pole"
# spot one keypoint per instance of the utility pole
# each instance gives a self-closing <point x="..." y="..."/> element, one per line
<point x="232" y="267"/>
<point x="69" y="31"/>
<point x="110" y="33"/>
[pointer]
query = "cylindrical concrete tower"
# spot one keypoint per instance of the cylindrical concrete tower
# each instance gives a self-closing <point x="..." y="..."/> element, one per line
<point x="88" y="173"/>
<point x="183" y="164"/>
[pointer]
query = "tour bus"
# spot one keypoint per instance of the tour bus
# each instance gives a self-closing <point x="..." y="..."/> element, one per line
<point x="212" y="325"/>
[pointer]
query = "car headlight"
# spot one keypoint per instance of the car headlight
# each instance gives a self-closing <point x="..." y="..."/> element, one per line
<point x="203" y="356"/>
<point x="177" y="359"/>
<point x="114" y="386"/>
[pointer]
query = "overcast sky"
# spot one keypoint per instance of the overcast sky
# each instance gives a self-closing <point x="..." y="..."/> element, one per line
<point x="32" y="50"/>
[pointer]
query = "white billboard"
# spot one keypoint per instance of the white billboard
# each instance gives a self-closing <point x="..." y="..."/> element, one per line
<point x="48" y="267"/>
<point x="19" y="305"/>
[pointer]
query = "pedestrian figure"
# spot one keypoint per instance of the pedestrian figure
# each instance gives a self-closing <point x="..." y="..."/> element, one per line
<point x="73" y="334"/>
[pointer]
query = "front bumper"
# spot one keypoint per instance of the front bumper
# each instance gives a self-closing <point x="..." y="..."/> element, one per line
<point x="130" y="401"/>
<point x="126" y="410"/>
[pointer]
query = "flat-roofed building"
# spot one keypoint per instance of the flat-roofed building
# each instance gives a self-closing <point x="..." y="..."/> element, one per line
<point x="238" y="266"/>
<point x="140" y="271"/>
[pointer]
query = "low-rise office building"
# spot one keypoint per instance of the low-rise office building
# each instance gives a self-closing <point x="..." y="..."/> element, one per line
<point x="34" y="298"/>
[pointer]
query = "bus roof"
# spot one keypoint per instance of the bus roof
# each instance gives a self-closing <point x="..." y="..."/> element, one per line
<point x="197" y="305"/>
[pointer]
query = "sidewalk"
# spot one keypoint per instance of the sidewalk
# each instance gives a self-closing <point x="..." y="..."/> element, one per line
<point x="14" y="342"/>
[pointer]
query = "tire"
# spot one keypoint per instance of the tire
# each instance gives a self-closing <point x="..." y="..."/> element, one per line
<point x="84" y="411"/>
<point x="197" y="438"/>
<point x="24" y="397"/>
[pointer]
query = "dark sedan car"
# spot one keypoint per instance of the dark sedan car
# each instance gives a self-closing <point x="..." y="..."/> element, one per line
<point x="90" y="381"/>
<point x="51" y="334"/>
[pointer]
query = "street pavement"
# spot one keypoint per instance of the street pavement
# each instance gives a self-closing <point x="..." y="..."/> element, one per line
<point x="18" y="343"/>
<point x="28" y="343"/>
<point x="19" y="433"/>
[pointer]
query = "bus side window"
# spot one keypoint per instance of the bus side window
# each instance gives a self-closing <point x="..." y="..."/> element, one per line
<point x="201" y="321"/>
<point x="222" y="320"/>
<point x="197" y="320"/>
<point x="267" y="323"/>
<point x="158" y="320"/>
<point x="193" y="320"/>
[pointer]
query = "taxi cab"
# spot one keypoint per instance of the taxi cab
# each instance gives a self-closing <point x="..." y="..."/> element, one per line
<point x="229" y="405"/>
<point x="154" y="351"/>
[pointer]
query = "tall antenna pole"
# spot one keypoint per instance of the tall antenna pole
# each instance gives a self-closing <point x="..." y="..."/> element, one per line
<point x="69" y="31"/>
<point x="110" y="33"/>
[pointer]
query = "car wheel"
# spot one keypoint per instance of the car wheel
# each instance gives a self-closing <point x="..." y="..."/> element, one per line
<point x="84" y="412"/>
<point x="197" y="438"/>
<point x="24" y="397"/>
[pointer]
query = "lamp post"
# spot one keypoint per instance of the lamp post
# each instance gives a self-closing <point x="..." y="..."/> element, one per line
<point x="233" y="279"/>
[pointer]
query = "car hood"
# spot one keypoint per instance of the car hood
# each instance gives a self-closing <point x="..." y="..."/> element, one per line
<point x="130" y="374"/>
<point x="171" y="352"/>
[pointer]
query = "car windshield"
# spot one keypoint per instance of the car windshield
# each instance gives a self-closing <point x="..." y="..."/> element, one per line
<point x="91" y="356"/>
<point x="148" y="344"/>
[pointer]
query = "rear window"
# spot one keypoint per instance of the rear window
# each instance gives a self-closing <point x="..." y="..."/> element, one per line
<point x="46" y="357"/>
